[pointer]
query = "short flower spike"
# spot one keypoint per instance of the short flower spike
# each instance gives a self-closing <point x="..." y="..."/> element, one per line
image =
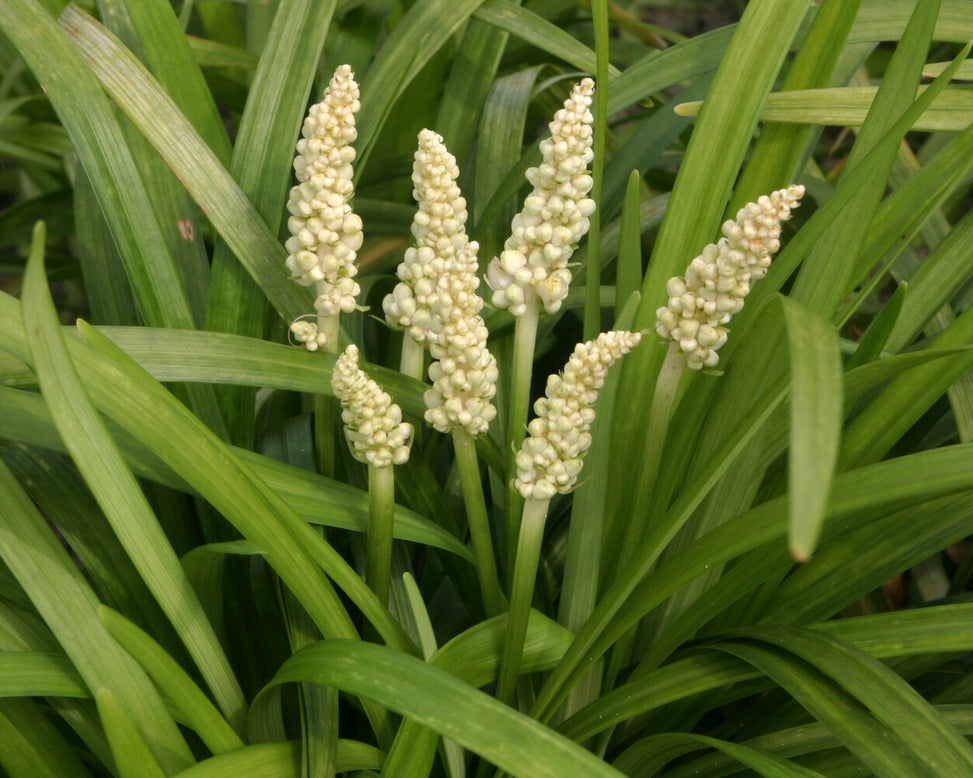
<point x="534" y="260"/>
<point x="718" y="280"/>
<point x="373" y="423"/>
<point x="550" y="459"/>
<point x="325" y="233"/>
<point x="464" y="375"/>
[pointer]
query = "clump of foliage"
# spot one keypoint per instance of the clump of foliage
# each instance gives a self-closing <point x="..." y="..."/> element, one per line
<point x="235" y="537"/>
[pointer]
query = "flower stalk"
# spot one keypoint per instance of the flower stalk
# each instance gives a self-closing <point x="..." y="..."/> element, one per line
<point x="479" y="522"/>
<point x="525" y="337"/>
<point x="325" y="233"/>
<point x="378" y="437"/>
<point x="529" y="543"/>
<point x="437" y="304"/>
<point x="694" y="320"/>
<point x="532" y="270"/>
<point x="549" y="463"/>
<point x="381" y="510"/>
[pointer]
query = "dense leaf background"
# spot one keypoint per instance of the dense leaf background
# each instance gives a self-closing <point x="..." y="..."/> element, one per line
<point x="181" y="587"/>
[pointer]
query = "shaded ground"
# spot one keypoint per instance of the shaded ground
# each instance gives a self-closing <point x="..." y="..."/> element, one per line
<point x="690" y="17"/>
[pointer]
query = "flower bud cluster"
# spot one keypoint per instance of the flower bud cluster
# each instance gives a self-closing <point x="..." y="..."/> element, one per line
<point x="534" y="261"/>
<point x="439" y="229"/>
<point x="325" y="234"/>
<point x="718" y="280"/>
<point x="550" y="458"/>
<point x="306" y="332"/>
<point x="464" y="375"/>
<point x="373" y="423"/>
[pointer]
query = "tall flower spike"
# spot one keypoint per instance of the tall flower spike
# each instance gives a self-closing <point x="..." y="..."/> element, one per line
<point x="325" y="234"/>
<point x="439" y="229"/>
<point x="718" y="280"/>
<point x="558" y="437"/>
<point x="534" y="260"/>
<point x="373" y="423"/>
<point x="465" y="373"/>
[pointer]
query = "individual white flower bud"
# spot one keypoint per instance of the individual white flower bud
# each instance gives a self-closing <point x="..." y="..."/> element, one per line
<point x="554" y="217"/>
<point x="550" y="459"/>
<point x="325" y="234"/>
<point x="718" y="280"/>
<point x="373" y="423"/>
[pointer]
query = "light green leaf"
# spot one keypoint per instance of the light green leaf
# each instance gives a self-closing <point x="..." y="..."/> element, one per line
<point x="816" y="417"/>
<point x="889" y="698"/>
<point x="132" y="757"/>
<point x="32" y="745"/>
<point x="876" y="745"/>
<point x="199" y="169"/>
<point x="933" y="69"/>
<point x="281" y="760"/>
<point x="511" y="740"/>
<point x="48" y="575"/>
<point x="195" y="710"/>
<point x="899" y="482"/>
<point x="951" y="111"/>
<point x="100" y="144"/>
<point x="316" y="499"/>
<point x="945" y="628"/>
<point x="36" y="674"/>
<point x="654" y="752"/>
<point x="539" y="32"/>
<point x="117" y="492"/>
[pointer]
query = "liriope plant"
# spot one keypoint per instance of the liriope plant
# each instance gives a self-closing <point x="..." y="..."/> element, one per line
<point x="702" y="553"/>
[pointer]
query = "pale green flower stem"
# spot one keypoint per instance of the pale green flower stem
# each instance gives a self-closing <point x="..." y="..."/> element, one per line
<point x="521" y="595"/>
<point x="642" y="510"/>
<point x="660" y="414"/>
<point x="412" y="358"/>
<point x="324" y="426"/>
<point x="319" y="704"/>
<point x="525" y="337"/>
<point x="478" y="520"/>
<point x="381" y="509"/>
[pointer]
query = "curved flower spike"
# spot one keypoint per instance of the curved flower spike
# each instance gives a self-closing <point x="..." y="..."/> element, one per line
<point x="534" y="262"/>
<point x="550" y="459"/>
<point x="718" y="280"/>
<point x="373" y="423"/>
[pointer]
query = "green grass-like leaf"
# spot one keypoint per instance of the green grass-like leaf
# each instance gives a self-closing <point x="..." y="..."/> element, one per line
<point x="511" y="740"/>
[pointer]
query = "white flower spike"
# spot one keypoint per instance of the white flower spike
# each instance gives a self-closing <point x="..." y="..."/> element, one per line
<point x="373" y="423"/>
<point x="325" y="234"/>
<point x="436" y="299"/>
<point x="439" y="229"/>
<point x="550" y="459"/>
<point x="465" y="373"/>
<point x="718" y="280"/>
<point x="534" y="262"/>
